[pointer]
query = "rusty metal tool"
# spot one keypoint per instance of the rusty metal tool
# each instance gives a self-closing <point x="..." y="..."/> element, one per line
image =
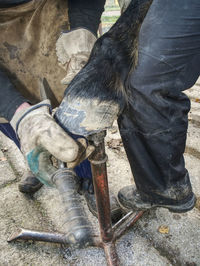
<point x="108" y="234"/>
<point x="76" y="225"/>
<point x="80" y="233"/>
<point x="46" y="92"/>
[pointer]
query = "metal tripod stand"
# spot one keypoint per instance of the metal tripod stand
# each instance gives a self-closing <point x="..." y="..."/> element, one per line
<point x="81" y="234"/>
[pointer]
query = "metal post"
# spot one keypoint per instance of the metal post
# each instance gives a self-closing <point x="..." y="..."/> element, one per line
<point x="99" y="172"/>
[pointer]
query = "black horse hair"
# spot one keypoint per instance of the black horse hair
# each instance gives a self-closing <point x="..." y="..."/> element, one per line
<point x="113" y="57"/>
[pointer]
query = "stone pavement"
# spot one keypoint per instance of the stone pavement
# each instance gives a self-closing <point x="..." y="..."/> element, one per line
<point x="145" y="244"/>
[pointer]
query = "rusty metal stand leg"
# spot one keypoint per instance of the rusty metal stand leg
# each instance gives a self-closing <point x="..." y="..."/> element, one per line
<point x="108" y="234"/>
<point x="100" y="182"/>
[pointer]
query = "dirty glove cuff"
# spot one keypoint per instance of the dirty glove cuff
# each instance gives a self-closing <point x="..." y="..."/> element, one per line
<point x="18" y="116"/>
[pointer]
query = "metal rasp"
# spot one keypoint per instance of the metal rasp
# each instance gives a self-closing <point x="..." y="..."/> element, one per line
<point x="47" y="93"/>
<point x="76" y="224"/>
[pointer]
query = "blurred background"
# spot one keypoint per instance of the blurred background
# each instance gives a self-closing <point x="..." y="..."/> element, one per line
<point x="110" y="15"/>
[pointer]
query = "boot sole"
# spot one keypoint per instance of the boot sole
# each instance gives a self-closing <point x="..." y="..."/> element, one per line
<point x="146" y="206"/>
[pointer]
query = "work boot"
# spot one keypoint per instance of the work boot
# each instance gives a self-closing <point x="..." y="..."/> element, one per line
<point x="30" y="184"/>
<point x="88" y="192"/>
<point x="130" y="198"/>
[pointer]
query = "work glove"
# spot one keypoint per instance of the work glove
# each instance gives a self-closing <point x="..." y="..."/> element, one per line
<point x="40" y="137"/>
<point x="73" y="50"/>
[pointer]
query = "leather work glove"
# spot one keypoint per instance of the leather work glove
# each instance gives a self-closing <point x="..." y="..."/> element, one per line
<point x="40" y="137"/>
<point x="73" y="50"/>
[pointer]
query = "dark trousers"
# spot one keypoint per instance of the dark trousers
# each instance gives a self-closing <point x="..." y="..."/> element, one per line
<point x="154" y="124"/>
<point x="9" y="132"/>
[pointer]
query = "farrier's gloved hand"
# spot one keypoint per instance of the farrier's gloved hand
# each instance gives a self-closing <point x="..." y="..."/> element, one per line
<point x="73" y="50"/>
<point x="38" y="133"/>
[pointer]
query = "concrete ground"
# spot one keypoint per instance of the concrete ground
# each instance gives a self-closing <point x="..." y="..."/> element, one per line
<point x="147" y="243"/>
<point x="158" y="238"/>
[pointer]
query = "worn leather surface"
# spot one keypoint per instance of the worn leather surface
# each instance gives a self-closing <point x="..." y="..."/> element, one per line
<point x="27" y="48"/>
<point x="73" y="50"/>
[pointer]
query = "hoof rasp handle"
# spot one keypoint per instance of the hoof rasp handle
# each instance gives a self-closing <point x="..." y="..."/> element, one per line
<point x="76" y="224"/>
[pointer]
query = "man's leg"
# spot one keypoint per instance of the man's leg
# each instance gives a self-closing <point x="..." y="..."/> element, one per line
<point x="154" y="125"/>
<point x="30" y="184"/>
<point x="7" y="130"/>
<point x="10" y="100"/>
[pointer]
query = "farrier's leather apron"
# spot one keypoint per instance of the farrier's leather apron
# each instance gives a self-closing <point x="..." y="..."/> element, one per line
<point x="28" y="34"/>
